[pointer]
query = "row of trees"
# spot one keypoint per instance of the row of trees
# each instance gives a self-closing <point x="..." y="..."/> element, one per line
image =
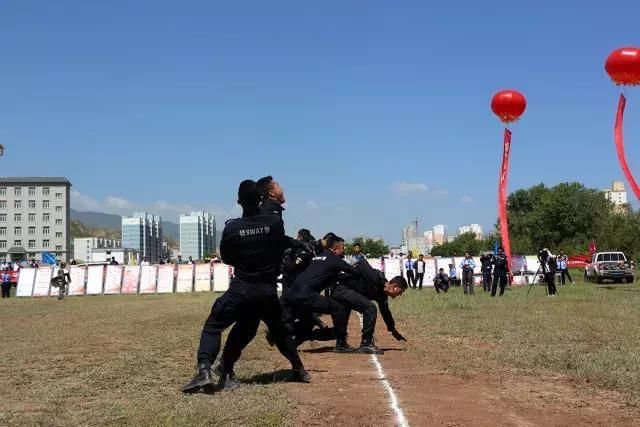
<point x="565" y="217"/>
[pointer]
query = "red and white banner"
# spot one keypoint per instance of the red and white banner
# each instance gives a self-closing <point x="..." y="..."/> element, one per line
<point x="203" y="278"/>
<point x="184" y="282"/>
<point x="77" y="274"/>
<point x="221" y="274"/>
<point x="165" y="279"/>
<point x="43" y="281"/>
<point x="113" y="280"/>
<point x="148" y="277"/>
<point x="95" y="276"/>
<point x="622" y="158"/>
<point x="130" y="280"/>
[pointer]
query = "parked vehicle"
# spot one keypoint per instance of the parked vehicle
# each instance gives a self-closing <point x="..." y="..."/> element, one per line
<point x="612" y="266"/>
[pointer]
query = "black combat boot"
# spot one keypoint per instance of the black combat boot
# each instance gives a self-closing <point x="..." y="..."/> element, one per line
<point x="301" y="376"/>
<point x="368" y="347"/>
<point x="227" y="379"/>
<point x="201" y="382"/>
<point x="342" y="346"/>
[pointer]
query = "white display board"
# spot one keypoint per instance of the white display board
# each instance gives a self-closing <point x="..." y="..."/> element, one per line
<point x="165" y="279"/>
<point x="375" y="263"/>
<point x="130" y="280"/>
<point x="95" y="275"/>
<point x="184" y="282"/>
<point x="519" y="280"/>
<point x="532" y="263"/>
<point x="148" y="277"/>
<point x="43" y="281"/>
<point x="113" y="280"/>
<point x="221" y="275"/>
<point x="77" y="285"/>
<point x="393" y="267"/>
<point x="203" y="278"/>
<point x="429" y="271"/>
<point x="25" y="282"/>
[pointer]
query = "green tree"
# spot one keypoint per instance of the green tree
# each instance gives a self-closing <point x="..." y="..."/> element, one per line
<point x="372" y="248"/>
<point x="467" y="242"/>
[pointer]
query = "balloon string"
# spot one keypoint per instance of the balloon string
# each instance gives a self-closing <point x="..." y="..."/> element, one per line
<point x="619" y="140"/>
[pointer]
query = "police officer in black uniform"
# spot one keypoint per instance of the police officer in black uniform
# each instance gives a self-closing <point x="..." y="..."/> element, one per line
<point x="486" y="262"/>
<point x="254" y="245"/>
<point x="500" y="272"/>
<point x="357" y="294"/>
<point x="303" y="298"/>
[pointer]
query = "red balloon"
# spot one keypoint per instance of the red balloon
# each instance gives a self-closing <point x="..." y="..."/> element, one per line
<point x="623" y="66"/>
<point x="508" y="105"/>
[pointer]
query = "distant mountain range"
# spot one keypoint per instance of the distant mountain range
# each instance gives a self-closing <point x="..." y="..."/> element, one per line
<point x="105" y="221"/>
<point x="114" y="222"/>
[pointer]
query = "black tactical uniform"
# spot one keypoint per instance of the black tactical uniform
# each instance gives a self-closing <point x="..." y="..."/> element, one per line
<point x="500" y="273"/>
<point x="254" y="246"/>
<point x="303" y="298"/>
<point x="441" y="282"/>
<point x="487" y="267"/>
<point x="357" y="294"/>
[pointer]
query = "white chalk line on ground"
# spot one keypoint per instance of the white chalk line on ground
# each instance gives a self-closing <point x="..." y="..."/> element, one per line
<point x="393" y="399"/>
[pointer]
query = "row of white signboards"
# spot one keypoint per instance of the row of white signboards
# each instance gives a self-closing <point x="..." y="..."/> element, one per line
<point x="127" y="280"/>
<point x="164" y="279"/>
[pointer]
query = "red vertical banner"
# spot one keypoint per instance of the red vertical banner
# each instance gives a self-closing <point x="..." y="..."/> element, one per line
<point x="622" y="158"/>
<point x="502" y="196"/>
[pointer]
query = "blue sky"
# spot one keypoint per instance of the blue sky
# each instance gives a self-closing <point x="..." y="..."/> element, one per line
<point x="370" y="113"/>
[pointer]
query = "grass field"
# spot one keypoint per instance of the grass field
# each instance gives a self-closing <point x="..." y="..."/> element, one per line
<point x="120" y="360"/>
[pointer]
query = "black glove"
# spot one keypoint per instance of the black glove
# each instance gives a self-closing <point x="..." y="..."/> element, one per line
<point x="397" y="335"/>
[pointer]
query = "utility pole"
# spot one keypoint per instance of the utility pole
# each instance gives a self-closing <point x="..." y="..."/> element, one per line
<point x="416" y="223"/>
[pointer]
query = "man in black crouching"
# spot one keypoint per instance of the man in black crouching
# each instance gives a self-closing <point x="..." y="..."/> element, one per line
<point x="359" y="293"/>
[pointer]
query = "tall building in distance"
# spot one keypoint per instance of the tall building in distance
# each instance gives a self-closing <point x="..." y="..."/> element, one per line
<point x="439" y="234"/>
<point x="617" y="194"/>
<point x="197" y="235"/>
<point x="408" y="232"/>
<point x="143" y="233"/>
<point x="34" y="218"/>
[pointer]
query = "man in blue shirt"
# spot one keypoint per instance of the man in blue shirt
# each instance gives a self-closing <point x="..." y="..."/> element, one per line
<point x="563" y="266"/>
<point x="411" y="278"/>
<point x="467" y="265"/>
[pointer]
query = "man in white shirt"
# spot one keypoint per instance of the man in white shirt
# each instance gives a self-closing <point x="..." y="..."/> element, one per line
<point x="420" y="268"/>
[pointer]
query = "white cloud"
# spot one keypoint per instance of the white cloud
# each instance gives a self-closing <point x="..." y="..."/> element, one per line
<point x="83" y="203"/>
<point x="118" y="203"/>
<point x="466" y="200"/>
<point x="312" y="205"/>
<point x="403" y="188"/>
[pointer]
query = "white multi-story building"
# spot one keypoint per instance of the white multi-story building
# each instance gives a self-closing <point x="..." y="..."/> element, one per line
<point x="143" y="233"/>
<point x="197" y="235"/>
<point x="472" y="228"/>
<point x="617" y="194"/>
<point x="418" y="246"/>
<point x="34" y="218"/>
<point x="83" y="248"/>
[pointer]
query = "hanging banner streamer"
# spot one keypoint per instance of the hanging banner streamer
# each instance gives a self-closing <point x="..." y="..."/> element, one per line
<point x="203" y="278"/>
<point x="148" y="279"/>
<point x="622" y="158"/>
<point x="502" y="196"/>
<point x="130" y="279"/>
<point x="25" y="282"/>
<point x="77" y="274"/>
<point x="113" y="280"/>
<point x="184" y="283"/>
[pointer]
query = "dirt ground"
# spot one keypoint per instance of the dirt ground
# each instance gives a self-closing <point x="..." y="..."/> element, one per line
<point x="346" y="391"/>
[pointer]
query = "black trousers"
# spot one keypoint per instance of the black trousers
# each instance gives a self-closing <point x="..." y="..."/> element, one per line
<point x="244" y="305"/>
<point x="550" y="279"/>
<point x="486" y="280"/>
<point x="419" y="279"/>
<point x="467" y="280"/>
<point x="563" y="273"/>
<point x="502" y="279"/>
<point x="302" y="307"/>
<point x="6" y="290"/>
<point x="411" y="278"/>
<point x="352" y="300"/>
<point x="441" y="285"/>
